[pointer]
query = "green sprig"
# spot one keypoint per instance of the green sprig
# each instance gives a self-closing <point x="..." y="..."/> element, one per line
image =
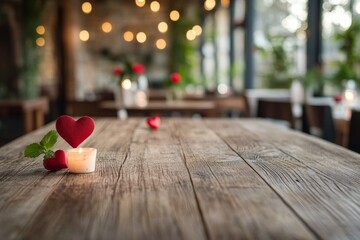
<point x="44" y="147"/>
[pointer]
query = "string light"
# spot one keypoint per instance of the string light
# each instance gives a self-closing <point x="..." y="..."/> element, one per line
<point x="141" y="37"/>
<point x="161" y="44"/>
<point x="163" y="27"/>
<point x="190" y="35"/>
<point x="86" y="7"/>
<point x="40" y="41"/>
<point x="84" y="35"/>
<point x="40" y="29"/>
<point x="155" y="6"/>
<point x="209" y="4"/>
<point x="174" y="15"/>
<point x="128" y="36"/>
<point x="197" y="29"/>
<point x="106" y="27"/>
<point x="126" y="84"/>
<point x="140" y="3"/>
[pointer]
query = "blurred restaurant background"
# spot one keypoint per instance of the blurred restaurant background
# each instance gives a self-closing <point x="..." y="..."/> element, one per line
<point x="275" y="59"/>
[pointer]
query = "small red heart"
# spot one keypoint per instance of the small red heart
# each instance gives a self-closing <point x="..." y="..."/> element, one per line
<point x="74" y="132"/>
<point x="57" y="162"/>
<point x="154" y="122"/>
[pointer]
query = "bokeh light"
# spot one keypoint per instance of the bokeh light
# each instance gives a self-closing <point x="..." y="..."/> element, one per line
<point x="174" y="15"/>
<point x="161" y="44"/>
<point x="141" y="37"/>
<point x="128" y="36"/>
<point x="40" y="29"/>
<point x="155" y="6"/>
<point x="84" y="35"/>
<point x="106" y="27"/>
<point x="163" y="27"/>
<point x="86" y="7"/>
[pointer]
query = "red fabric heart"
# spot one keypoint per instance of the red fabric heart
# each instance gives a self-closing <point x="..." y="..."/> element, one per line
<point x="74" y="132"/>
<point x="154" y="122"/>
<point x="57" y="162"/>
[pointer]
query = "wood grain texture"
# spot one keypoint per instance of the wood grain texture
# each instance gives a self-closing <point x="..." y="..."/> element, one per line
<point x="317" y="179"/>
<point x="210" y="179"/>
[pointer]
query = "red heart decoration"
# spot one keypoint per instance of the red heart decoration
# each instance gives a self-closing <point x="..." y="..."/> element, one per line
<point x="57" y="162"/>
<point x="154" y="122"/>
<point x="74" y="132"/>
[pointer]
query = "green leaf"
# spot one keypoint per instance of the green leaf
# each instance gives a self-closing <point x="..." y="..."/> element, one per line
<point x="33" y="150"/>
<point x="49" y="140"/>
<point x="49" y="154"/>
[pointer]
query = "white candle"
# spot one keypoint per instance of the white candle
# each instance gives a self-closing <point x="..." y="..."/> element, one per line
<point x="81" y="160"/>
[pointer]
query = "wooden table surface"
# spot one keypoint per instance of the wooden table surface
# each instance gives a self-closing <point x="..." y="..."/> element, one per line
<point x="190" y="179"/>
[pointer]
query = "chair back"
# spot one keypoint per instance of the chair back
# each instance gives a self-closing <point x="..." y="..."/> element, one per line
<point x="318" y="120"/>
<point x="354" y="131"/>
<point x="279" y="109"/>
<point x="233" y="106"/>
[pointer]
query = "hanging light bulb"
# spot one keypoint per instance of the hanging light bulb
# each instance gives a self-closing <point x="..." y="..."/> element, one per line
<point x="163" y="27"/>
<point x="141" y="37"/>
<point x="128" y="36"/>
<point x="174" y="15"/>
<point x="209" y="5"/>
<point x="40" y="29"/>
<point x="106" y="27"/>
<point x="140" y="3"/>
<point x="86" y="7"/>
<point x="155" y="6"/>
<point x="84" y="35"/>
<point x="161" y="44"/>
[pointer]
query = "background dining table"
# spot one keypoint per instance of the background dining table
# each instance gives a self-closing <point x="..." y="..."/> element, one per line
<point x="189" y="179"/>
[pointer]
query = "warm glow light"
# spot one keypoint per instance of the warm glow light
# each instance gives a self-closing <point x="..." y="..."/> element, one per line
<point x="155" y="6"/>
<point x="163" y="27"/>
<point x="86" y="7"/>
<point x="161" y="44"/>
<point x="128" y="36"/>
<point x="84" y="35"/>
<point x="209" y="5"/>
<point x="190" y="35"/>
<point x="126" y="84"/>
<point x="197" y="29"/>
<point x="349" y="95"/>
<point x="106" y="27"/>
<point x="40" y="41"/>
<point x="40" y="29"/>
<point x="141" y="37"/>
<point x="225" y="3"/>
<point x="174" y="15"/>
<point x="140" y="3"/>
<point x="222" y="88"/>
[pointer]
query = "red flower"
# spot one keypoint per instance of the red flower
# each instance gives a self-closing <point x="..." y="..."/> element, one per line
<point x="338" y="98"/>
<point x="138" y="68"/>
<point x="117" y="71"/>
<point x="175" y="78"/>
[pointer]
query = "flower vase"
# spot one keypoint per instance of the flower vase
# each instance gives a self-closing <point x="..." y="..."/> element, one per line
<point x="174" y="94"/>
<point x="142" y="91"/>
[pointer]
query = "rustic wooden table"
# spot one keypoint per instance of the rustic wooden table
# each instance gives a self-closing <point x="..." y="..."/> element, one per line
<point x="190" y="179"/>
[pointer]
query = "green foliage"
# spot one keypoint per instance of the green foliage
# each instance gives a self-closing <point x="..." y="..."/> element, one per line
<point x="347" y="68"/>
<point x="44" y="147"/>
<point x="31" y="19"/>
<point x="279" y="75"/>
<point x="183" y="51"/>
<point x="314" y="80"/>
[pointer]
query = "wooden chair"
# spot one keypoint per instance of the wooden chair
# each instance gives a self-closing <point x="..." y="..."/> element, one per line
<point x="278" y="109"/>
<point x="354" y="131"/>
<point x="318" y="121"/>
<point x="233" y="106"/>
